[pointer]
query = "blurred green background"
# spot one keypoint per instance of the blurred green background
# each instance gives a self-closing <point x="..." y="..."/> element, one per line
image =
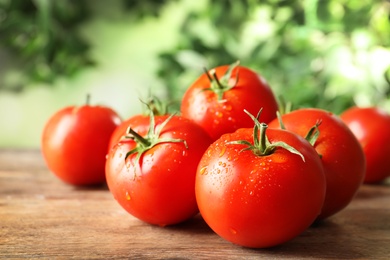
<point x="328" y="54"/>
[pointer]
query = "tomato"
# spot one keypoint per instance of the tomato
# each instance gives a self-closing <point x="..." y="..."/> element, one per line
<point x="74" y="143"/>
<point x="341" y="155"/>
<point x="151" y="173"/>
<point x="256" y="198"/>
<point x="217" y="99"/>
<point x="371" y="126"/>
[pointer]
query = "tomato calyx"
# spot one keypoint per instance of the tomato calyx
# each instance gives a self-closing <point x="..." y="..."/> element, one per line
<point x="313" y="133"/>
<point x="311" y="136"/>
<point x="261" y="145"/>
<point x="155" y="106"/>
<point x="152" y="138"/>
<point x="220" y="85"/>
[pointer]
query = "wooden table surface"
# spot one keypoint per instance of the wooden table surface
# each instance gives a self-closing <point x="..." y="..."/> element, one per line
<point x="41" y="217"/>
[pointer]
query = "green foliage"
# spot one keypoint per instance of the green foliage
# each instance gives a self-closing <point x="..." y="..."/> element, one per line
<point x="328" y="54"/>
<point x="43" y="35"/>
<point x="309" y="51"/>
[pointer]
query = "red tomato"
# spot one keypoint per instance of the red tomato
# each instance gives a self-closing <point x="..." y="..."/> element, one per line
<point x="74" y="143"/>
<point x="256" y="200"/>
<point x="371" y="127"/>
<point x="217" y="99"/>
<point x="155" y="183"/>
<point x="341" y="155"/>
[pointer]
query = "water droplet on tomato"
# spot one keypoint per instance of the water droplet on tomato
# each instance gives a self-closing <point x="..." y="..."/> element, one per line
<point x="219" y="114"/>
<point x="233" y="231"/>
<point x="222" y="151"/>
<point x="227" y="107"/>
<point x="203" y="170"/>
<point x="128" y="196"/>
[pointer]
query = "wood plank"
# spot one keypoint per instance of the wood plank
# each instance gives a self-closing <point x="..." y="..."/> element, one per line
<point x="41" y="217"/>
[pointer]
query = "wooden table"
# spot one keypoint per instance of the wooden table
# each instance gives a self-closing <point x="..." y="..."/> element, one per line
<point x="41" y="217"/>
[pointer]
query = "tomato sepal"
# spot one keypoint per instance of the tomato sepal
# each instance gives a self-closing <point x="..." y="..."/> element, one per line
<point x="261" y="145"/>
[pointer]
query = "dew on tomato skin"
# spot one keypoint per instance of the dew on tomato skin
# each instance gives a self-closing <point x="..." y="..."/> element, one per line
<point x="233" y="231"/>
<point x="219" y="114"/>
<point x="231" y="119"/>
<point x="222" y="151"/>
<point x="128" y="197"/>
<point x="227" y="107"/>
<point x="203" y="170"/>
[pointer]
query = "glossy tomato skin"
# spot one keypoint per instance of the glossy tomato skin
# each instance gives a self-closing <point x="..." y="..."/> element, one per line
<point x="74" y="143"/>
<point x="259" y="201"/>
<point x="341" y="155"/>
<point x="160" y="190"/>
<point x="371" y="126"/>
<point x="217" y="117"/>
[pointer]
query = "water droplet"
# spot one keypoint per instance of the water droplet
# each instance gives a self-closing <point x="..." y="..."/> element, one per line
<point x="219" y="114"/>
<point x="120" y="155"/>
<point x="233" y="231"/>
<point x="227" y="107"/>
<point x="128" y="196"/>
<point x="222" y="151"/>
<point x="203" y="170"/>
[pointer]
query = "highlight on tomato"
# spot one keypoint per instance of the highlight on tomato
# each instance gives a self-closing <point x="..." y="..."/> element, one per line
<point x="74" y="143"/>
<point x="341" y="154"/>
<point x="371" y="126"/>
<point x="217" y="99"/>
<point x="151" y="173"/>
<point x="260" y="187"/>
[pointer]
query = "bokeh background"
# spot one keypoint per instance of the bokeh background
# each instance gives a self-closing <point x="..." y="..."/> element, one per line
<point x="322" y="53"/>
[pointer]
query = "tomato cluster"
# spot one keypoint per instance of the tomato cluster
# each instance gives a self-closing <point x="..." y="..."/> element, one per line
<point x="257" y="178"/>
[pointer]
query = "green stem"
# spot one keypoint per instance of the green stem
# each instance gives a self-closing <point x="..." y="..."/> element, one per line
<point x="88" y="99"/>
<point x="139" y="138"/>
<point x="263" y="138"/>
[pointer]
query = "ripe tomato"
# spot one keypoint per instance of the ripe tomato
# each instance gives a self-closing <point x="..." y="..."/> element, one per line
<point x="152" y="173"/>
<point x="341" y="155"/>
<point x="217" y="99"/>
<point x="257" y="199"/>
<point x="74" y="143"/>
<point x="371" y="127"/>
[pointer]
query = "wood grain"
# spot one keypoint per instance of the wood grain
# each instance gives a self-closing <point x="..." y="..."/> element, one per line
<point x="41" y="217"/>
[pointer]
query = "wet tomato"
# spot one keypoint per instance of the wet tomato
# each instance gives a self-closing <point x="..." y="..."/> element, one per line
<point x="151" y="173"/>
<point x="258" y="189"/>
<point x="217" y="99"/>
<point x="341" y="155"/>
